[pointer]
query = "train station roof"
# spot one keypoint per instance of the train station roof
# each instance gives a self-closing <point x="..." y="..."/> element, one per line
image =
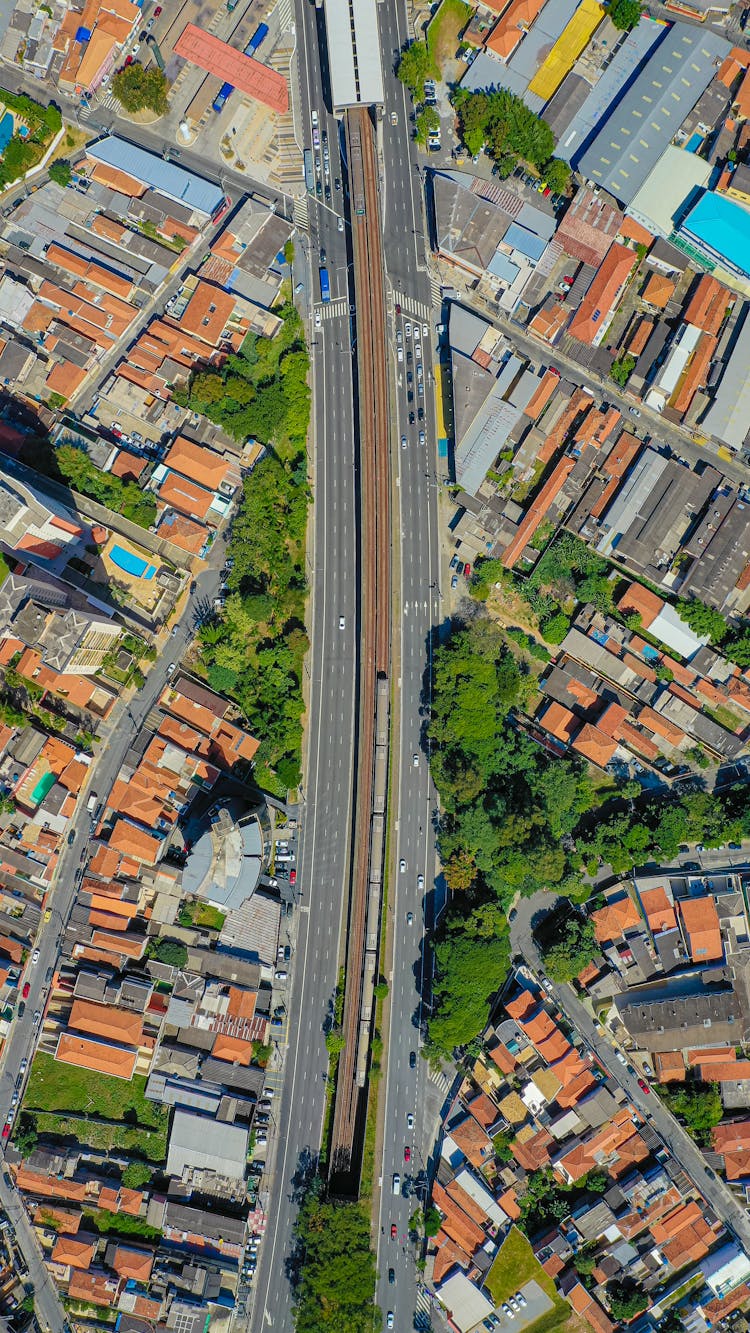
<point x="248" y="76"/>
<point x="354" y="53"/>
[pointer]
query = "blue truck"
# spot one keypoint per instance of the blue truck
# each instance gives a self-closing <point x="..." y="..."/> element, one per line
<point x="222" y="96"/>
<point x="325" y="286"/>
<point x="258" y="37"/>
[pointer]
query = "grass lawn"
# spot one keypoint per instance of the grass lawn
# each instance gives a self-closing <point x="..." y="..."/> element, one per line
<point x="54" y="1086"/>
<point x="202" y="914"/>
<point x="516" y="1265"/>
<point x="150" y="1143"/>
<point x="442" y="33"/>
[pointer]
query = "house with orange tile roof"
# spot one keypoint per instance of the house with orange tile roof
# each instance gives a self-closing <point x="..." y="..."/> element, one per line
<point x="708" y="304"/>
<point x="699" y="921"/>
<point x="612" y="921"/>
<point x="472" y="1140"/>
<point x="724" y="1071"/>
<point x="595" y="745"/>
<point x="537" y="512"/>
<point x="96" y="1287"/>
<point x="658" y="909"/>
<point x="202" y="465"/>
<point x="108" y="25"/>
<point x="74" y="1251"/>
<point x="659" y="290"/>
<point x="732" y="1136"/>
<point x="133" y="841"/>
<point x="511" y="27"/>
<point x="106" y="1022"/>
<point x="617" y="1146"/>
<point x="594" y="315"/>
<point x="589" y="1309"/>
<point x="670" y="1066"/>
<point x="99" y="1056"/>
<point x="130" y="1262"/>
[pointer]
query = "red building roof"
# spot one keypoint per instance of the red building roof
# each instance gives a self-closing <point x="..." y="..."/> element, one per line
<point x="593" y="314"/>
<point x="231" y="66"/>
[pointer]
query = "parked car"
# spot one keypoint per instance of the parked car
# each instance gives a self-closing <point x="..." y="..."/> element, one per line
<point x="26" y="989"/>
<point x="280" y="974"/>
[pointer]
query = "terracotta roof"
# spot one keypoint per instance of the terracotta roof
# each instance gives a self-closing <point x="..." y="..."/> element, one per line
<point x="200" y="464"/>
<point x="594" y="745"/>
<point x="74" y="1251"/>
<point x="630" y="230"/>
<point x="708" y="304"/>
<point x="659" y="911"/>
<point x="742" y="97"/>
<point x="727" y="1071"/>
<point x="611" y="922"/>
<point x="670" y="1066"/>
<point x="232" y="1049"/>
<point x="448" y="1255"/>
<point x="96" y="1055"/>
<point x="641" y="335"/>
<point x="732" y="1136"/>
<point x="584" y="1304"/>
<point x="659" y="290"/>
<point x="502" y="1057"/>
<point x="700" y="922"/>
<point x="127" y="837"/>
<point x="48" y="1186"/>
<point x="133" y="1263"/>
<point x="509" y="1204"/>
<point x="98" y="1287"/>
<point x="641" y="600"/>
<point x="549" y="320"/>
<point x="737" y="1164"/>
<point x="522" y="1005"/>
<point x="102" y="1020"/>
<point x="711" y="1055"/>
<point x="509" y="29"/>
<point x="536" y="512"/>
<point x="541" y="396"/>
<point x="473" y="1141"/>
<point x="592" y="316"/>
<point x="44" y="1213"/>
<point x="483" y="1109"/>
<point x="589" y="227"/>
<point x="456" y="1224"/>
<point x="558" y="721"/>
<point x="185" y="495"/>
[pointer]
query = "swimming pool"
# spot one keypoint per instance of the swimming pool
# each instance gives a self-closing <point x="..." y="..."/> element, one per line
<point x="693" y="143"/>
<point x="132" y="564"/>
<point x="6" y="131"/>
<point x="43" y="786"/>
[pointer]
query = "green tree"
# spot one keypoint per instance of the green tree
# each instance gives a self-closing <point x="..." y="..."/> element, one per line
<point x="621" y="369"/>
<point x="699" y="1105"/>
<point x="584" y="1261"/>
<point x="137" y="1174"/>
<point x="171" y="952"/>
<point x="25" y="1135"/>
<point x="427" y="120"/>
<point x="414" y="66"/>
<point x="555" y="627"/>
<point x="139" y="89"/>
<point x="626" y="1299"/>
<point x="556" y="174"/>
<point x="432" y="1221"/>
<point x="703" y="619"/>
<point x="625" y="13"/>
<point x="502" y="122"/>
<point x="337" y="1275"/>
<point x="501" y="1147"/>
<point x="574" y="947"/>
<point x="59" y="171"/>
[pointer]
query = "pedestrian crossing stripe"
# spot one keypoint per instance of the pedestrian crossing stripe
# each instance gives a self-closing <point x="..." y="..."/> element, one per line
<point x="301" y="213"/>
<point x="285" y="15"/>
<point x="417" y="310"/>
<point x="333" y="309"/>
<point x="437" y="291"/>
<point x="440" y="1079"/>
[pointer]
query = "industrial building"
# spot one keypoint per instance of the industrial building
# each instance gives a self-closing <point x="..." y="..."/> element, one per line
<point x="354" y="53"/>
<point x="719" y="230"/>
<point x="728" y="418"/>
<point x="196" y="193"/>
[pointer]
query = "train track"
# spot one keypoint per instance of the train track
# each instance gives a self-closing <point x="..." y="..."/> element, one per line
<point x="364" y="902"/>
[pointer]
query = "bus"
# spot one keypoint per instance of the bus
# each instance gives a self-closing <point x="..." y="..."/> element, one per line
<point x="325" y="286"/>
<point x="222" y="96"/>
<point x="258" y="37"/>
<point x="309" y="177"/>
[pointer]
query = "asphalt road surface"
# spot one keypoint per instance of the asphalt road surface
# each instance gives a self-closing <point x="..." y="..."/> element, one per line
<point x="679" y="1143"/>
<point x="324" y="840"/>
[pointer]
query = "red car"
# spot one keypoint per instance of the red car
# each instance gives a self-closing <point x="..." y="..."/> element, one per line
<point x="643" y="1085"/>
<point x="6" y="1129"/>
<point x="467" y="571"/>
<point x="157" y="11"/>
<point x="407" y="1153"/>
<point x="292" y="876"/>
<point x="128" y="60"/>
<point x="394" y="1228"/>
<point x="26" y="989"/>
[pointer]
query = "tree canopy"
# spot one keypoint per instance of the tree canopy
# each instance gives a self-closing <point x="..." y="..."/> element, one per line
<point x="336" y="1282"/>
<point x="123" y="497"/>
<point x="502" y="123"/>
<point x="59" y="171"/>
<point x="621" y="369"/>
<point x="574" y="946"/>
<point x="625" y="14"/>
<point x="140" y="89"/>
<point x="699" y="1105"/>
<point x="626" y="1299"/>
<point x="414" y="66"/>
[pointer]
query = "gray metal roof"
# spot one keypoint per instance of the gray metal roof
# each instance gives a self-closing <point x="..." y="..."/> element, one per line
<point x="619" y="73"/>
<point x="640" y="126"/>
<point x="728" y="418"/>
<point x="172" y="181"/>
<point x="488" y="432"/>
<point x="354" y="53"/>
<point x="200" y="1143"/>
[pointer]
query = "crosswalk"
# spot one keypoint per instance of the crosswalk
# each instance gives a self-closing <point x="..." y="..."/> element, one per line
<point x="436" y="291"/>
<point x="423" y="1312"/>
<point x="301" y="213"/>
<point x="441" y="1080"/>
<point x="285" y="15"/>
<point x="106" y="103"/>
<point x="333" y="309"/>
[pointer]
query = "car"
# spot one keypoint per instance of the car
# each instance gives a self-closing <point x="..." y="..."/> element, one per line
<point x="403" y="441"/>
<point x="426" y="330"/>
<point x="318" y="320"/>
<point x="521" y="1299"/>
<point x="513" y="1303"/>
<point x="280" y="974"/>
<point x="421" y="437"/>
<point x="507" y="1310"/>
<point x="394" y="118"/>
<point x="394" y="1231"/>
<point x="389" y="1319"/>
<point x="23" y="1067"/>
<point x="26" y="989"/>
<point x="412" y="1059"/>
<point x="411" y="418"/>
<point x="420" y="414"/>
<point x="292" y="876"/>
<point x="149" y="26"/>
<point x="71" y="837"/>
<point x="410" y="918"/>
<point x="6" y="1129"/>
<point x="157" y="11"/>
<point x="327" y="193"/>
<point x="399" y="354"/>
<point x="643" y="1085"/>
<point x="699" y="847"/>
<point x="735" y="846"/>
<point x="467" y="570"/>
<point x="37" y="1016"/>
<point x="128" y="60"/>
<point x="634" y="412"/>
<point x="342" y="622"/>
<point x="410" y="1120"/>
<point x="407" y="329"/>
<point x="407" y="1153"/>
<point x="35" y="957"/>
<point x="398" y="308"/>
<point x="420" y="881"/>
<point x="454" y="581"/>
<point x="337" y="183"/>
<point x="340" y="224"/>
<point x="105" y="81"/>
<point x="402" y="865"/>
<point x="171" y="668"/>
<point x="619" y="1056"/>
<point x="415" y="760"/>
<point x="396" y="1183"/>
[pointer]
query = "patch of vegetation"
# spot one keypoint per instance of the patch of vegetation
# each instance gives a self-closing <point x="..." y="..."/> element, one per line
<point x="139" y="89"/>
<point x="74" y="467"/>
<point x="574" y="947"/>
<point x="120" y="1224"/>
<point x="336" y="1275"/>
<point x="254" y="650"/>
<point x="102" y="1135"/>
<point x="567" y="572"/>
<point x="625" y="14"/>
<point x="621" y="369"/>
<point x="414" y="66"/>
<point x="427" y="120"/>
<point x="54" y="1086"/>
<point x="698" y="1105"/>
<point x="546" y="1201"/>
<point x="60" y="172"/>
<point x="501" y="123"/>
<point x="136" y="1174"/>
<point x="625" y="1298"/>
<point x="446" y="24"/>
<point x="22" y="154"/>
<point x="516" y="1264"/>
<point x="201" y="914"/>
<point x="172" y="952"/>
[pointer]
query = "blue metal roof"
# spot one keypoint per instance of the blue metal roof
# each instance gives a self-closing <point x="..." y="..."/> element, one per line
<point x="529" y="244"/>
<point x="173" y="181"/>
<point x="723" y="227"/>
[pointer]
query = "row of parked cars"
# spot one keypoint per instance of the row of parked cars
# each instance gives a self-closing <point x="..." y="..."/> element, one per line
<point x="510" y="1309"/>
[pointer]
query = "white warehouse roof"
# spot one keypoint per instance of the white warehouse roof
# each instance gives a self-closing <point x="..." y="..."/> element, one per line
<point x="207" y="1145"/>
<point x="354" y="53"/>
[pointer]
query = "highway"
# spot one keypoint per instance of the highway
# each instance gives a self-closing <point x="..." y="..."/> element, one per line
<point x="117" y="735"/>
<point x="324" y="842"/>
<point x="419" y="612"/>
<point x="679" y="1143"/>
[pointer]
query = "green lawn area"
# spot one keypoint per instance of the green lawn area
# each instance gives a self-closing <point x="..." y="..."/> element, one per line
<point x="516" y="1265"/>
<point x="150" y="1143"/>
<point x="442" y="33"/>
<point x="54" y="1086"/>
<point x="202" y="914"/>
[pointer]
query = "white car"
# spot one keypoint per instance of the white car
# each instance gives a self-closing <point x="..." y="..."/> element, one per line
<point x="35" y="956"/>
<point x="318" y="320"/>
<point x="403" y="441"/>
<point x="402" y="865"/>
<point x="280" y="975"/>
<point x="400" y="353"/>
<point x="420" y="881"/>
<point x="410" y="918"/>
<point x="410" y="1120"/>
<point x="407" y="329"/>
<point x="426" y="330"/>
<point x="342" y="622"/>
<point x="389" y="1319"/>
<point x="415" y="760"/>
<point x="421" y="437"/>
<point x="340" y="224"/>
<point x="521" y="1299"/>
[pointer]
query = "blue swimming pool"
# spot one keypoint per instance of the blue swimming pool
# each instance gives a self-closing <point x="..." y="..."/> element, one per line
<point x="694" y="143"/>
<point x="6" y="131"/>
<point x="132" y="564"/>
